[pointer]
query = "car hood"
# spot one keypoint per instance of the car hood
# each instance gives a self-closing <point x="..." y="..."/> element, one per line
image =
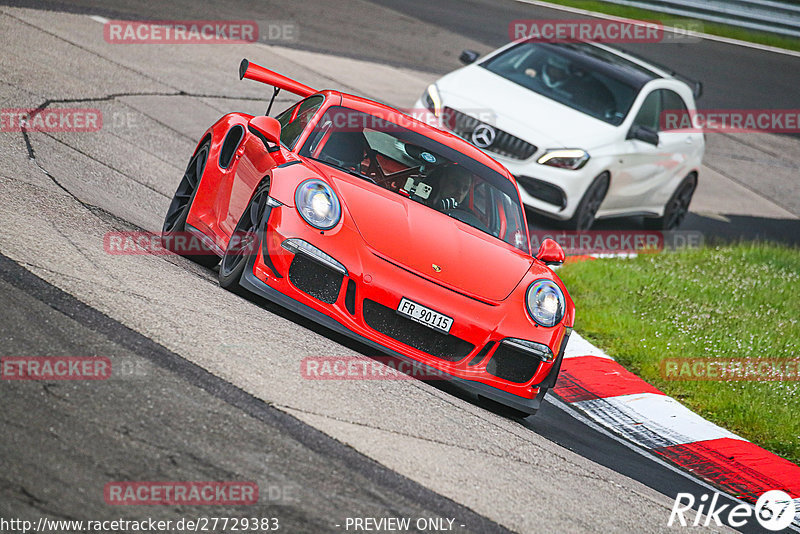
<point x="416" y="237"/>
<point x="520" y="111"/>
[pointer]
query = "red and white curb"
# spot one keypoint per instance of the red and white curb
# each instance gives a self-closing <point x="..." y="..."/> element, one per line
<point x="592" y="382"/>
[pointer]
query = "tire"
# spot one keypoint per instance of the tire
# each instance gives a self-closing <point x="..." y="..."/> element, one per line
<point x="182" y="200"/>
<point x="583" y="219"/>
<point x="245" y="240"/>
<point x="676" y="207"/>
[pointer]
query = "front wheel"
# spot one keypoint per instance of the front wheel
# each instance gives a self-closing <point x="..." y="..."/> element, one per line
<point x="245" y="240"/>
<point x="583" y="219"/>
<point x="676" y="208"/>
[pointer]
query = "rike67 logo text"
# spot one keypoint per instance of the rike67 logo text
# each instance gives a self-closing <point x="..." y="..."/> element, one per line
<point x="775" y="510"/>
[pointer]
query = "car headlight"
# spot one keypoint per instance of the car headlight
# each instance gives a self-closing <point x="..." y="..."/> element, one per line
<point x="565" y="158"/>
<point x="317" y="204"/>
<point x="545" y="302"/>
<point x="432" y="100"/>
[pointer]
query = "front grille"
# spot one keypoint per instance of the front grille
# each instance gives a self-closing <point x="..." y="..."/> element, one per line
<point x="388" y="322"/>
<point x="552" y="194"/>
<point x="513" y="365"/>
<point x="315" y="279"/>
<point x="504" y="143"/>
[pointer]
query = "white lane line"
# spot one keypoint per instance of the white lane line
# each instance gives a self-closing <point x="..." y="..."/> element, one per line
<point x="680" y="31"/>
<point x="652" y="420"/>
<point x="98" y="18"/>
<point x="578" y="346"/>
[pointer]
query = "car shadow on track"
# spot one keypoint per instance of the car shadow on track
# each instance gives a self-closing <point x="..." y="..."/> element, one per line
<point x="362" y="349"/>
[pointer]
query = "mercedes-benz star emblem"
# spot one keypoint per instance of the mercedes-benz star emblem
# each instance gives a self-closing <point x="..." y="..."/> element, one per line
<point x="483" y="136"/>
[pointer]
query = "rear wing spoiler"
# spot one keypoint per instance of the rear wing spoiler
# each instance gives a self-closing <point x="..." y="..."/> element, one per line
<point x="251" y="71"/>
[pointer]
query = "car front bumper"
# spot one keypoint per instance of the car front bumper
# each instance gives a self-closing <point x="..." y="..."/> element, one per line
<point x="373" y="282"/>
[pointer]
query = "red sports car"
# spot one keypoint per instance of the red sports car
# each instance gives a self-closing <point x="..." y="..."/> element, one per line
<point x="385" y="229"/>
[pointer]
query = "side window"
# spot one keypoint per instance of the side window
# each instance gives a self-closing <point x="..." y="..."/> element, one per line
<point x="649" y="112"/>
<point x="295" y="119"/>
<point x="674" y="110"/>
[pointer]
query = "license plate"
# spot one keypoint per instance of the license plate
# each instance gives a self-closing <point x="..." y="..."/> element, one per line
<point x="424" y="315"/>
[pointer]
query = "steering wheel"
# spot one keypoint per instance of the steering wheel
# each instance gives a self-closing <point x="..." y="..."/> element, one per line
<point x="467" y="217"/>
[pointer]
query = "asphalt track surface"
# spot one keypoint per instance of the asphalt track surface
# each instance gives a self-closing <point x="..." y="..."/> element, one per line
<point x="200" y="409"/>
<point x="193" y="425"/>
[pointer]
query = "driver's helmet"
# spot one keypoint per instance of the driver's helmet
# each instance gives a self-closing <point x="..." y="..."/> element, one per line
<point x="555" y="71"/>
<point x="456" y="182"/>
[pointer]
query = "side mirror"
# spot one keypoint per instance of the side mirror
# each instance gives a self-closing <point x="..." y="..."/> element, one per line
<point x="643" y="133"/>
<point x="268" y="130"/>
<point x="550" y="253"/>
<point x="468" y="56"/>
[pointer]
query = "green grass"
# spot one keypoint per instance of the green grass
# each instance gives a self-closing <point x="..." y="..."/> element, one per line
<point x="723" y="30"/>
<point x="733" y="301"/>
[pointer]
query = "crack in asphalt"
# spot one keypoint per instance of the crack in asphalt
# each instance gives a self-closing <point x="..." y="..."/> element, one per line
<point x="48" y="388"/>
<point x="578" y="473"/>
<point x="216" y="471"/>
<point x="37" y="503"/>
<point x="30" y="499"/>
<point x="107" y="98"/>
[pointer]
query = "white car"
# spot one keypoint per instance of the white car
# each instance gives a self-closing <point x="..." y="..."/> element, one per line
<point x="579" y="126"/>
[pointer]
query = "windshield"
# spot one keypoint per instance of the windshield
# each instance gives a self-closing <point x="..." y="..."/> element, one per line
<point x="548" y="71"/>
<point x="420" y="169"/>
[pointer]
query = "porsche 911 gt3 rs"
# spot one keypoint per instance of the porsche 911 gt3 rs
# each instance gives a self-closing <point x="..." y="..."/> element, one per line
<point x="380" y="227"/>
